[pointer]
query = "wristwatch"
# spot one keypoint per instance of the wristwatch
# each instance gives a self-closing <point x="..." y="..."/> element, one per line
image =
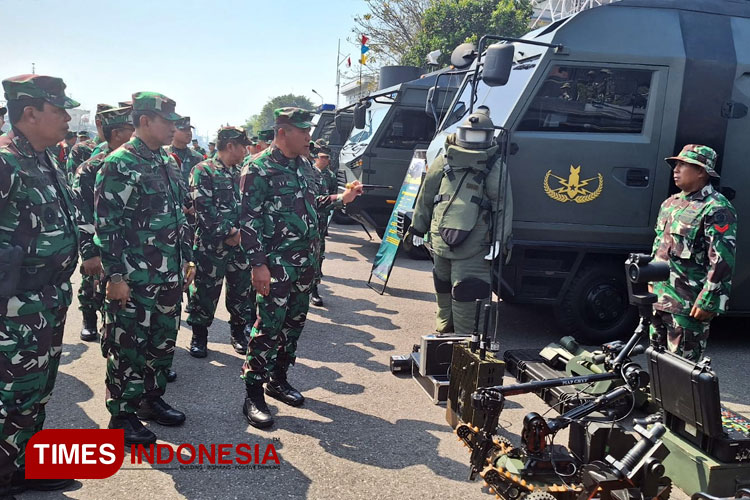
<point x="115" y="278"/>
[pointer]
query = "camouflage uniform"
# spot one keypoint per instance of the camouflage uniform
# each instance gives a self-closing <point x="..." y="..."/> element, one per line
<point x="327" y="184"/>
<point x="79" y="153"/>
<point x="186" y="159"/>
<point x="36" y="217"/>
<point x="280" y="229"/>
<point x="90" y="297"/>
<point x="215" y="190"/>
<point x="142" y="234"/>
<point x="696" y="235"/>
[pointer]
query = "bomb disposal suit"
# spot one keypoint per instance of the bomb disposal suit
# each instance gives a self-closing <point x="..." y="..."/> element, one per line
<point x="462" y="208"/>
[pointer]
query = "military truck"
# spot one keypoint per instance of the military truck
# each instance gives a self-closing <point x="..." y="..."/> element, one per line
<point x="591" y="119"/>
<point x="334" y="126"/>
<point x="393" y="122"/>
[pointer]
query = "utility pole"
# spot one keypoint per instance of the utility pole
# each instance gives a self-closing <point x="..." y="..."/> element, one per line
<point x="33" y="68"/>
<point x="338" y="73"/>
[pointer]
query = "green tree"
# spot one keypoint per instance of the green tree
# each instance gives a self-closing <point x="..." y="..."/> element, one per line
<point x="265" y="118"/>
<point x="391" y="26"/>
<point x="448" y="23"/>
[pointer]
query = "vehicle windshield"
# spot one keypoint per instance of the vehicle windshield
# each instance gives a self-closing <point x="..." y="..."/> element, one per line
<point x="373" y="118"/>
<point x="500" y="100"/>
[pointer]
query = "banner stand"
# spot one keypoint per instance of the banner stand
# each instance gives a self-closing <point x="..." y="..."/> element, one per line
<point x="407" y="198"/>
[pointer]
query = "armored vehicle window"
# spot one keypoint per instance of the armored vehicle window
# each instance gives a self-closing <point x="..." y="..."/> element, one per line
<point x="588" y="99"/>
<point x="407" y="129"/>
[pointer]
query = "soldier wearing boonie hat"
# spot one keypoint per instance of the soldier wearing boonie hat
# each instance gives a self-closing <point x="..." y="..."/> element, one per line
<point x="38" y="255"/>
<point x="215" y="188"/>
<point x="116" y="126"/>
<point x="279" y="228"/>
<point x="696" y="235"/>
<point x="145" y="245"/>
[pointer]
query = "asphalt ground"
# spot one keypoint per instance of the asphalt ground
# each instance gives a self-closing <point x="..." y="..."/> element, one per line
<point x="363" y="432"/>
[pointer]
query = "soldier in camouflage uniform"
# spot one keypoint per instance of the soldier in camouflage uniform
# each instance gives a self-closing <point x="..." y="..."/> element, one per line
<point x="327" y="184"/>
<point x="279" y="232"/>
<point x="696" y="235"/>
<point x="215" y="188"/>
<point x="60" y="150"/>
<point x="99" y="139"/>
<point x="146" y="250"/>
<point x="212" y="149"/>
<point x="265" y="138"/>
<point x="186" y="159"/>
<point x="117" y="127"/>
<point x="78" y="154"/>
<point x="198" y="149"/>
<point x="38" y="255"/>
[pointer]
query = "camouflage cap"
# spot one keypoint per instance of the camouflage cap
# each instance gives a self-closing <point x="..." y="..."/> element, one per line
<point x="264" y="135"/>
<point x="122" y="104"/>
<point x="49" y="88"/>
<point x="320" y="147"/>
<point x="83" y="133"/>
<point x="117" y="117"/>
<point x="699" y="155"/>
<point x="158" y="103"/>
<point x="103" y="107"/>
<point x="183" y="123"/>
<point x="297" y="117"/>
<point x="233" y="133"/>
<point x="70" y="134"/>
<point x="211" y="143"/>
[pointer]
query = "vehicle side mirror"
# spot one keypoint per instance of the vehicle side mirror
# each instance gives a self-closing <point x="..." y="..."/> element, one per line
<point x="428" y="107"/>
<point x="359" y="116"/>
<point x="498" y="61"/>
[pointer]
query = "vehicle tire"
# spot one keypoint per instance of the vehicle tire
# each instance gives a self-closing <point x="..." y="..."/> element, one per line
<point x="341" y="218"/>
<point x="595" y="308"/>
<point x="416" y="253"/>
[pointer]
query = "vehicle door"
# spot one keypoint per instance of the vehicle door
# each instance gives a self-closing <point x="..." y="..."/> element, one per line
<point x="583" y="153"/>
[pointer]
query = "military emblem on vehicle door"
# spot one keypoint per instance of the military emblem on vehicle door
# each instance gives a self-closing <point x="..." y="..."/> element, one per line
<point x="573" y="188"/>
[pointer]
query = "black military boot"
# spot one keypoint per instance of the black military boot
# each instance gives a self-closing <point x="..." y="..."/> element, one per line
<point x="198" y="344"/>
<point x="315" y="298"/>
<point x="135" y="432"/>
<point x="89" y="331"/>
<point x="279" y="388"/>
<point x="238" y="338"/>
<point x="160" y="412"/>
<point x="171" y="375"/>
<point x="19" y="483"/>
<point x="255" y="407"/>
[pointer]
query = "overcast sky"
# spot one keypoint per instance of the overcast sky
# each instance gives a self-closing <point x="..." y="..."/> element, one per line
<point x="221" y="60"/>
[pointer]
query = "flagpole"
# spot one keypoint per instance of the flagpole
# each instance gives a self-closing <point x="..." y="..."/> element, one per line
<point x="338" y="73"/>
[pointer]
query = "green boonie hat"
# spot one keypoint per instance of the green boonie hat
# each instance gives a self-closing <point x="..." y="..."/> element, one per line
<point x="265" y="135"/>
<point x="183" y="123"/>
<point x="49" y="88"/>
<point x="83" y="133"/>
<point x="117" y="116"/>
<point x="236" y="133"/>
<point x="298" y="117"/>
<point x="158" y="103"/>
<point x="699" y="155"/>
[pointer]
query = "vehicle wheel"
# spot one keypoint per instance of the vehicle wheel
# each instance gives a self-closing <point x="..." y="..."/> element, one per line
<point x="416" y="253"/>
<point x="341" y="218"/>
<point x="595" y="308"/>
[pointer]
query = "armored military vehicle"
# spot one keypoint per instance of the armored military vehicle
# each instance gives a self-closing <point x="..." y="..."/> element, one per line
<point x="591" y="117"/>
<point x="393" y="122"/>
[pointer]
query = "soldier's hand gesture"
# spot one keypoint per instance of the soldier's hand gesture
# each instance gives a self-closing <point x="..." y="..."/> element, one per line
<point x="262" y="279"/>
<point x="234" y="238"/>
<point x="92" y="267"/>
<point x="118" y="292"/>
<point x="699" y="314"/>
